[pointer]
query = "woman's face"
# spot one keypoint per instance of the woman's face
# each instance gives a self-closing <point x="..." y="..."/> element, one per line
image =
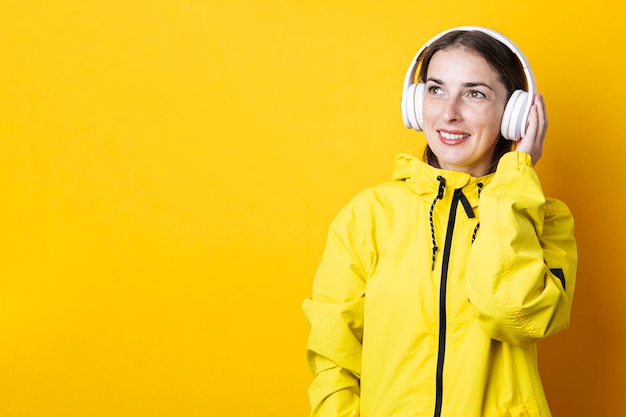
<point x="464" y="102"/>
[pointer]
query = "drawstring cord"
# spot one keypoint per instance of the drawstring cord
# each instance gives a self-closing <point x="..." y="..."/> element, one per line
<point x="439" y="196"/>
<point x="480" y="188"/>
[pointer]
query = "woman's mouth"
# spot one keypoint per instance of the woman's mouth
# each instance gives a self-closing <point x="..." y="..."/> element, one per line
<point x="452" y="138"/>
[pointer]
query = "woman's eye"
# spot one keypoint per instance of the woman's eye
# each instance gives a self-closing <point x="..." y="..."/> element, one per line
<point x="434" y="89"/>
<point x="476" y="94"/>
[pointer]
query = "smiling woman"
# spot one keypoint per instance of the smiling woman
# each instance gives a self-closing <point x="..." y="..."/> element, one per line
<point x="435" y="288"/>
<point x="462" y="111"/>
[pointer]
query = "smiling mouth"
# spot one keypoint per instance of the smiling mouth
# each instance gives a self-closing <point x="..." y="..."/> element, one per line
<point x="453" y="136"/>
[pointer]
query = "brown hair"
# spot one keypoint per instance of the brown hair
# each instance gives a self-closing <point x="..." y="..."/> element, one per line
<point x="498" y="56"/>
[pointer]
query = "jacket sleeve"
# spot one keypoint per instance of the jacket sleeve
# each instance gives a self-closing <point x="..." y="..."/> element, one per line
<point x="521" y="271"/>
<point x="335" y="316"/>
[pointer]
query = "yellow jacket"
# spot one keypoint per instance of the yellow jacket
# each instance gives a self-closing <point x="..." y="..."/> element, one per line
<point x="419" y="309"/>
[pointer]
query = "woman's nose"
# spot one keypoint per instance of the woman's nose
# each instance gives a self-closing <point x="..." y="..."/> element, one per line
<point x="452" y="110"/>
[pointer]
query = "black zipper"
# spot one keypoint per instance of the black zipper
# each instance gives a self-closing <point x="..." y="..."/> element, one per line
<point x="456" y="198"/>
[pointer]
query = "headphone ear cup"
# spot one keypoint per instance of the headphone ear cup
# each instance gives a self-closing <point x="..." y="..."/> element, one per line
<point x="414" y="101"/>
<point x="419" y="103"/>
<point x="410" y="106"/>
<point x="513" y="116"/>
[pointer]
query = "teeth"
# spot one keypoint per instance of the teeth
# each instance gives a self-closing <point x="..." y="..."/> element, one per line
<point x="452" y="136"/>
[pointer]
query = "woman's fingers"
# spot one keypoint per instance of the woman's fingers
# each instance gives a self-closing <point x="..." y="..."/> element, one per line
<point x="532" y="142"/>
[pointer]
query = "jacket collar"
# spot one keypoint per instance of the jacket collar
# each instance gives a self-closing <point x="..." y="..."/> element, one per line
<point x="423" y="178"/>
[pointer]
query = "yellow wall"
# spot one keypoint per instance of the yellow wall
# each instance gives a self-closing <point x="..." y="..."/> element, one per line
<point x="168" y="170"/>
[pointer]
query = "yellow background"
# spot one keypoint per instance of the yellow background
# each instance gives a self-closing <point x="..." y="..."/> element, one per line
<point x="168" y="170"/>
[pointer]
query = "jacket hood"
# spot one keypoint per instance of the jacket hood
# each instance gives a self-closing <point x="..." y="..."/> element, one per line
<point x="424" y="179"/>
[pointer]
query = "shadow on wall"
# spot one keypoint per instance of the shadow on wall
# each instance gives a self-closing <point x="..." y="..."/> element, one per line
<point x="581" y="366"/>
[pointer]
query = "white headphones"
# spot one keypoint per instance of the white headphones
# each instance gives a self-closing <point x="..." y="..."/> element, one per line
<point x="515" y="117"/>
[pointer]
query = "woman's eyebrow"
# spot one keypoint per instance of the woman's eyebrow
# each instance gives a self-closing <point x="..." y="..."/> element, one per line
<point x="477" y="84"/>
<point x="466" y="85"/>
<point x="435" y="80"/>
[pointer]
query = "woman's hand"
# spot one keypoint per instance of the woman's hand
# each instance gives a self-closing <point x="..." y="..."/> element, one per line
<point x="532" y="142"/>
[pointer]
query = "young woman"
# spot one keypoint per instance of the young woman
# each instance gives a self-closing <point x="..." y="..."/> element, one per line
<point x="435" y="288"/>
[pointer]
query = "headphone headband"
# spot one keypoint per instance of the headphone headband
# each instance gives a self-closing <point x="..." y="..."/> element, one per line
<point x="530" y="79"/>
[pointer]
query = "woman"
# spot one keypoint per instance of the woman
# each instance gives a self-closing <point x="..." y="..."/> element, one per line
<point x="435" y="288"/>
